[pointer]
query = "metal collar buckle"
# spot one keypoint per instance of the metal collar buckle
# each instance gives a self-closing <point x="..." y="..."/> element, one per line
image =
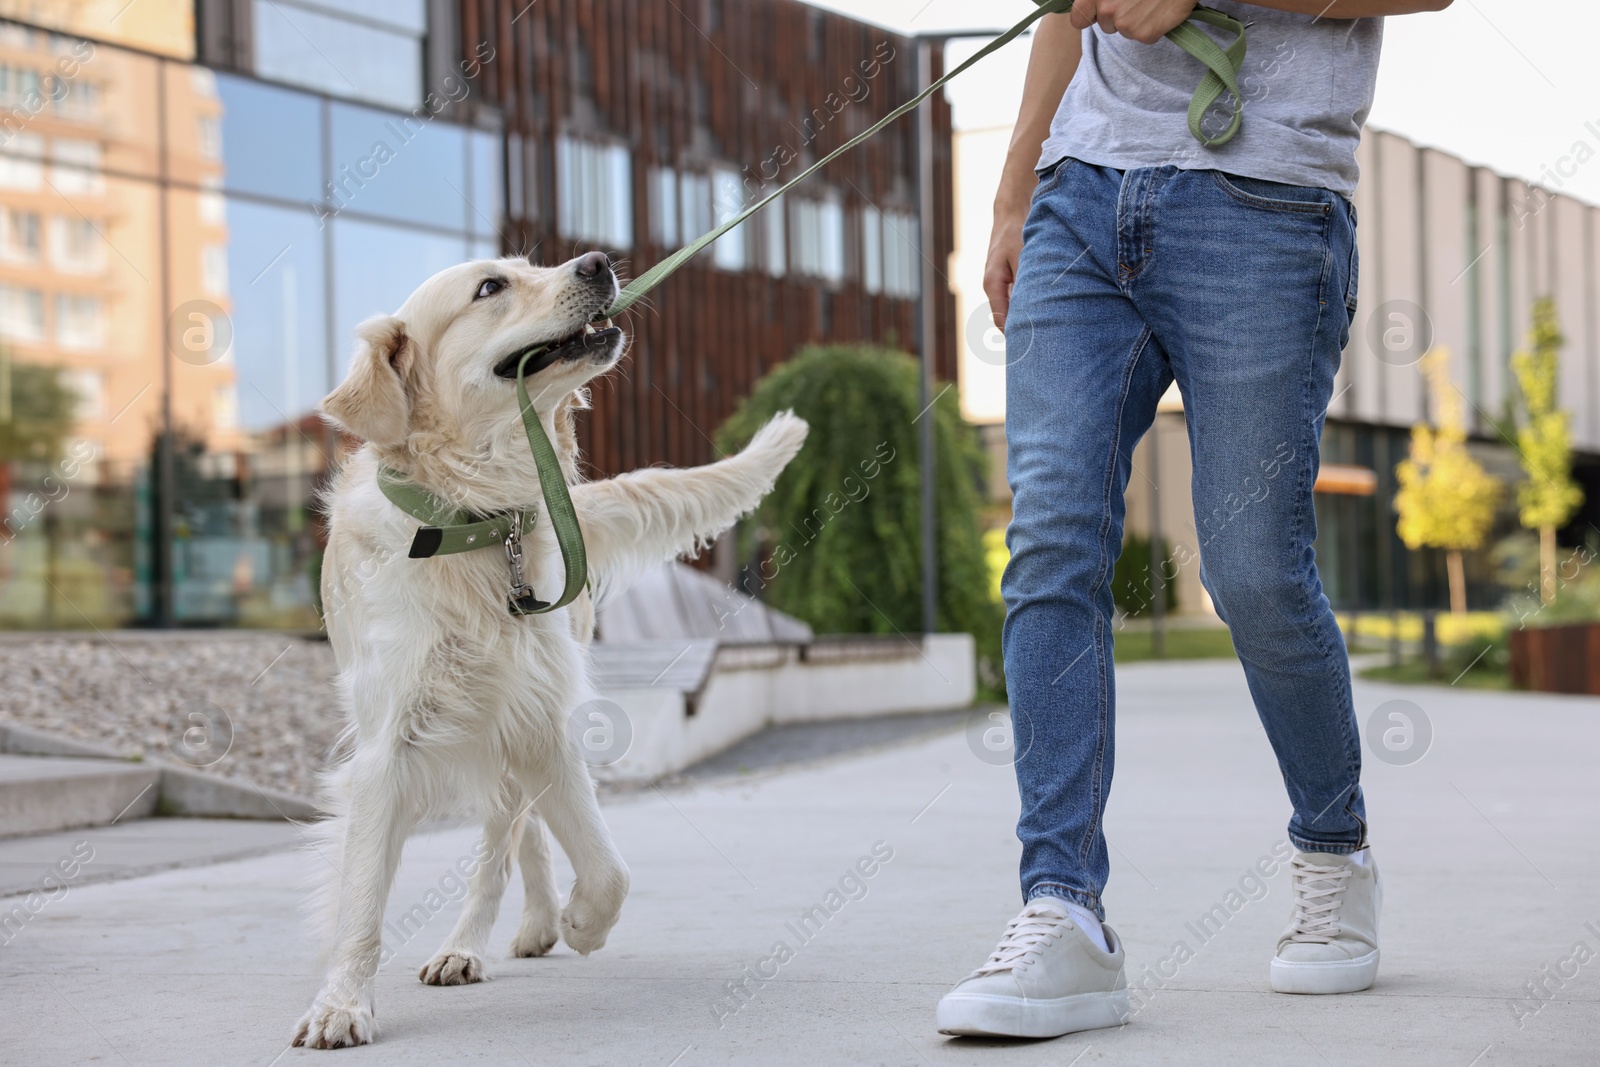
<point x="520" y="599"/>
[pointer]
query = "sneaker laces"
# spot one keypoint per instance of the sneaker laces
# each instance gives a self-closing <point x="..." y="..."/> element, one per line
<point x="1318" y="895"/>
<point x="1039" y="923"/>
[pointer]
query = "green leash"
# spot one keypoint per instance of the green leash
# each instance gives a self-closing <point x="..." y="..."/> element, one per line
<point x="447" y="530"/>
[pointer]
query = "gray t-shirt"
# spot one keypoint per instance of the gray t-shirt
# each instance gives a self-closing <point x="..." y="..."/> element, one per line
<point x="1307" y="84"/>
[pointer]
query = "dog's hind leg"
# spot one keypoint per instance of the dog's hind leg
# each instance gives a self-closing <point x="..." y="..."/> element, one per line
<point x="569" y="806"/>
<point x="541" y="907"/>
<point x="459" y="960"/>
<point x="374" y="832"/>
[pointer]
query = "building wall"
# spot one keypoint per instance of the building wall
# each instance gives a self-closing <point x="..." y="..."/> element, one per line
<point x="1493" y="245"/>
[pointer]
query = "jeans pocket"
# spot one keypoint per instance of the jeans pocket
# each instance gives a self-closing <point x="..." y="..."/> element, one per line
<point x="1051" y="177"/>
<point x="1354" y="281"/>
<point x="1275" y="196"/>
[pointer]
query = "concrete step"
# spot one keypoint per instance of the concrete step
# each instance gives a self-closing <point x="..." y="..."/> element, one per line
<point x="40" y="794"/>
<point x="180" y="790"/>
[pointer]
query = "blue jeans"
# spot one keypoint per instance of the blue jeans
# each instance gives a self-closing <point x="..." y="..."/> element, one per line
<point x="1242" y="291"/>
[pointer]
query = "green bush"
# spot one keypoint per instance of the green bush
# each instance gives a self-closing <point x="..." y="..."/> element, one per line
<point x="1133" y="581"/>
<point x="1478" y="657"/>
<point x="838" y="542"/>
<point x="38" y="413"/>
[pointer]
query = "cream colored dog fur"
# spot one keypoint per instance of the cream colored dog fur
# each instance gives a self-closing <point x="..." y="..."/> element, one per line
<point x="452" y="702"/>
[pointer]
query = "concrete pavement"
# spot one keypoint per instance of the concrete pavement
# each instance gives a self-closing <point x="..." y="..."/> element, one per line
<point x="128" y="849"/>
<point x="1487" y="845"/>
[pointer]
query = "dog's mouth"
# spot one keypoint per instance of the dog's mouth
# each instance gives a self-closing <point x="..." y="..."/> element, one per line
<point x="592" y="340"/>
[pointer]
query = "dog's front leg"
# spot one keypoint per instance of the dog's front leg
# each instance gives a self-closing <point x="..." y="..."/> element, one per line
<point x="375" y="831"/>
<point x="648" y="516"/>
<point x="569" y="806"/>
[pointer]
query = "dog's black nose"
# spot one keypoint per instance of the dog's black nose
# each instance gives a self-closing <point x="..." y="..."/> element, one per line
<point x="590" y="264"/>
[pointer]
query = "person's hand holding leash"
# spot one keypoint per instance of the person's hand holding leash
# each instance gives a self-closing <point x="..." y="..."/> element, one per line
<point x="1146" y="21"/>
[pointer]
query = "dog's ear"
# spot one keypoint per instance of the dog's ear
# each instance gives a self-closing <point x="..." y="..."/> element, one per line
<point x="372" y="401"/>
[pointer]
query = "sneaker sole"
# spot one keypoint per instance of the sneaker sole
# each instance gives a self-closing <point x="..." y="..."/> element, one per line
<point x="984" y="1016"/>
<point x="1333" y="976"/>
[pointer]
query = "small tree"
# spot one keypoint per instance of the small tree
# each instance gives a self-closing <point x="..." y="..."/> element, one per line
<point x="1446" y="500"/>
<point x="838" y="541"/>
<point x="37" y="411"/>
<point x="1549" y="497"/>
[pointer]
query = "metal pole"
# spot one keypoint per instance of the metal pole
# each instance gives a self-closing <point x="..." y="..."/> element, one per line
<point x="163" y="555"/>
<point x="927" y="335"/>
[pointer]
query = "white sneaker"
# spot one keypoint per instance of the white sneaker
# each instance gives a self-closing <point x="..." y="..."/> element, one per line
<point x="1045" y="979"/>
<point x="1331" y="945"/>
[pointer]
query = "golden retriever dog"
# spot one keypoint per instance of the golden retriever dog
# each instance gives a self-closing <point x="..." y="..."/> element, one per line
<point x="452" y="702"/>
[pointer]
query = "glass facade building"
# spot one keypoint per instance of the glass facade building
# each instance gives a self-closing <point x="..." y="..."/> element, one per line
<point x="200" y="199"/>
<point x="160" y="466"/>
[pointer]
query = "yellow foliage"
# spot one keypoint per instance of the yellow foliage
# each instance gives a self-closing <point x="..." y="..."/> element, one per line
<point x="1549" y="497"/>
<point x="1472" y="627"/>
<point x="996" y="555"/>
<point x="1445" y="500"/>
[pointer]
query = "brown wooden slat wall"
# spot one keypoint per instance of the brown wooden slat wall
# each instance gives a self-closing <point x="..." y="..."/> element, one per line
<point x="712" y="333"/>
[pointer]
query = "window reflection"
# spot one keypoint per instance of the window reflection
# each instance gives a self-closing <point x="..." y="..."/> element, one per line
<point x="377" y="266"/>
<point x="817" y="224"/>
<point x="164" y="26"/>
<point x="81" y="105"/>
<point x="280" y="344"/>
<point x="376" y="58"/>
<point x="594" y="191"/>
<point x="77" y="411"/>
<point x="399" y="166"/>
<point x="890" y="262"/>
<point x="271" y="140"/>
<point x="254" y="330"/>
<point x="486" y="216"/>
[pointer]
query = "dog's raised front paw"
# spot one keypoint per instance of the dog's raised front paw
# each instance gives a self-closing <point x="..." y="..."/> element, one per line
<point x="452" y="968"/>
<point x="534" y="940"/>
<point x="589" y="915"/>
<point x="325" y="1026"/>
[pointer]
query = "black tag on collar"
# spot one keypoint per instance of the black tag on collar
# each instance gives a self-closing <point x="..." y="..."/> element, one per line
<point x="526" y="604"/>
<point x="427" y="542"/>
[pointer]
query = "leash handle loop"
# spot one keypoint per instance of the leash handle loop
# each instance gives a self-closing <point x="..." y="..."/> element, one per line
<point x="1222" y="71"/>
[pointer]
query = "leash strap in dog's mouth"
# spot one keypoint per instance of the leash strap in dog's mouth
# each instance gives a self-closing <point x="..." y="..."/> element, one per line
<point x="447" y="529"/>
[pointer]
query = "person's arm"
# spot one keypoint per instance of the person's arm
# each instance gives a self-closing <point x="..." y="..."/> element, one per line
<point x="1149" y="20"/>
<point x="1353" y="9"/>
<point x="1057" y="49"/>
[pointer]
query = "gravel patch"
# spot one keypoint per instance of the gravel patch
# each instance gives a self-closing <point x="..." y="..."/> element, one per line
<point x="177" y="697"/>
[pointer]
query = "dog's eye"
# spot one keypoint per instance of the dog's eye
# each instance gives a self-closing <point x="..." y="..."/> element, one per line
<point x="489" y="287"/>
